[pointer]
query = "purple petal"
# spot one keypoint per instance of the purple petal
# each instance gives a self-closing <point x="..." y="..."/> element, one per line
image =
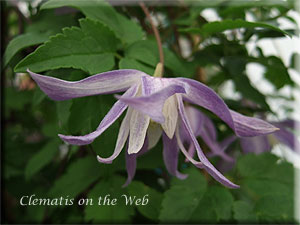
<point x="223" y="145"/>
<point x="131" y="162"/>
<point x="288" y="138"/>
<point x="197" y="123"/>
<point x="255" y="145"/>
<point x="204" y="127"/>
<point x="225" y="166"/>
<point x="207" y="165"/>
<point x="185" y="152"/>
<point x="249" y="126"/>
<point x="184" y="136"/>
<point x="204" y="96"/>
<point x="114" y="113"/>
<point x="122" y="137"/>
<point x="152" y="104"/>
<point x="102" y="83"/>
<point x="209" y="127"/>
<point x="191" y="151"/>
<point x="196" y="118"/>
<point x="227" y="141"/>
<point x="170" y="155"/>
<point x="287" y="123"/>
<point x="215" y="148"/>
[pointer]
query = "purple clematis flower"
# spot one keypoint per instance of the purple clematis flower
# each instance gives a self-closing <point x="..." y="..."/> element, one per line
<point x="264" y="143"/>
<point x="155" y="108"/>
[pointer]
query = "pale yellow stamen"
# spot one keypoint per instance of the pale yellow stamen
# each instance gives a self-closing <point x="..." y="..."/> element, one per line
<point x="158" y="70"/>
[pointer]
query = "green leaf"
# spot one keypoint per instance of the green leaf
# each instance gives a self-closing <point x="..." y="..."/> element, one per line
<point x="38" y="96"/>
<point x="266" y="186"/>
<point x="220" y="26"/>
<point x="181" y="200"/>
<point x="41" y="159"/>
<point x="81" y="112"/>
<point x="50" y="129"/>
<point x="271" y="33"/>
<point x="104" y="213"/>
<point x="210" y="55"/>
<point x="127" y="63"/>
<point x="204" y="212"/>
<point x="152" y="160"/>
<point x="104" y="145"/>
<point x="36" y="213"/>
<point x="89" y="48"/>
<point x="146" y="51"/>
<point x="269" y="185"/>
<point x="275" y="208"/>
<point x="294" y="61"/>
<point x="277" y="73"/>
<point x="215" y="205"/>
<point x="265" y="163"/>
<point x="49" y="22"/>
<point x="152" y="209"/>
<point x="16" y="99"/>
<point x="21" y="42"/>
<point x="42" y="27"/>
<point x="78" y="177"/>
<point x="63" y="113"/>
<point x="244" y="86"/>
<point x="222" y="201"/>
<point x="125" y="29"/>
<point x="268" y="166"/>
<point x="243" y="212"/>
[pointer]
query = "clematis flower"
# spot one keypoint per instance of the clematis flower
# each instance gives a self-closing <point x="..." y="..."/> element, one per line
<point x="155" y="108"/>
<point x="264" y="143"/>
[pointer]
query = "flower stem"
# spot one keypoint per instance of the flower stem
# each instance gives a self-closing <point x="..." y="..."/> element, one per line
<point x="156" y="34"/>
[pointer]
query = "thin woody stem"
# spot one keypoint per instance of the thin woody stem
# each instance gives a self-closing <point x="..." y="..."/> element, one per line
<point x="156" y="34"/>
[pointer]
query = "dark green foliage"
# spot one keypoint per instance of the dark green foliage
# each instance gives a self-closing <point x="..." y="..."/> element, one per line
<point x="268" y="184"/>
<point x="89" y="48"/>
<point x="187" y="193"/>
<point x="126" y="30"/>
<point x="216" y="27"/>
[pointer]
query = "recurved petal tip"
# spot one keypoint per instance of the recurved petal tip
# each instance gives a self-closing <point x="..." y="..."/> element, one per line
<point x="249" y="126"/>
<point x="76" y="140"/>
<point x="102" y="160"/>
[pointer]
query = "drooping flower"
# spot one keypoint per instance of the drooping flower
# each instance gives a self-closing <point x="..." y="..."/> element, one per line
<point x="264" y="143"/>
<point x="155" y="108"/>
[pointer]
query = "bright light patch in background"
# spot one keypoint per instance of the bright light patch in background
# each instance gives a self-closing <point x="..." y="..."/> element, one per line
<point x="283" y="48"/>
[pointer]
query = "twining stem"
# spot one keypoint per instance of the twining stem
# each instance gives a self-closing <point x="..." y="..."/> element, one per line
<point x="156" y="34"/>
